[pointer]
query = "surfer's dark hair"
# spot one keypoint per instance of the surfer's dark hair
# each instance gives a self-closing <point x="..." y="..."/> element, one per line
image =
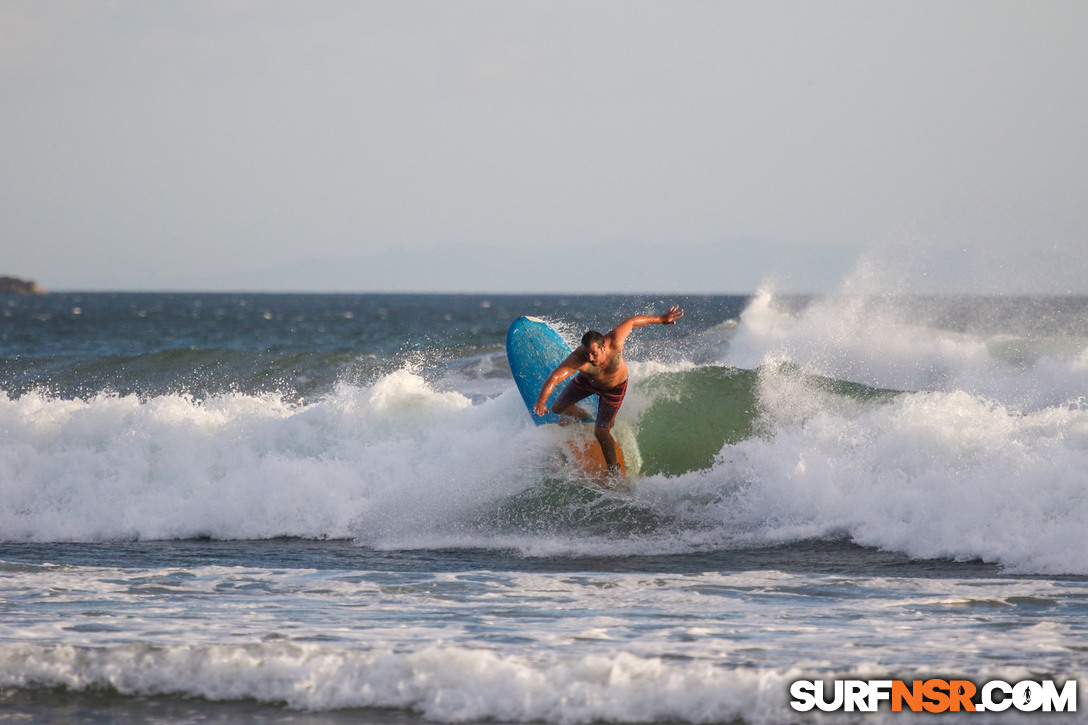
<point x="592" y="337"/>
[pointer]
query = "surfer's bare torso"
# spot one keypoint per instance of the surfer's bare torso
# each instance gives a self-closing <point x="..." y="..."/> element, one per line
<point x="602" y="364"/>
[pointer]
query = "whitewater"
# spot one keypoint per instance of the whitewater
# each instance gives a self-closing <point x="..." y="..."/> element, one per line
<point x="328" y="506"/>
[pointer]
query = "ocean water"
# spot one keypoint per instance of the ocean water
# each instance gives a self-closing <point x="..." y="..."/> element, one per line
<point x="335" y="508"/>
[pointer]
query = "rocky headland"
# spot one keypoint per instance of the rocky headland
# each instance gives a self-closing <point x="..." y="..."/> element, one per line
<point x="16" y="286"/>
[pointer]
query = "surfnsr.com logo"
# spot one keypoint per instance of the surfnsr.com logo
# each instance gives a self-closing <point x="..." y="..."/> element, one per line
<point x="934" y="695"/>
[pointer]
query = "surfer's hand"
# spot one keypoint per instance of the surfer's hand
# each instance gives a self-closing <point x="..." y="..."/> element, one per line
<point x="541" y="408"/>
<point x="670" y="317"/>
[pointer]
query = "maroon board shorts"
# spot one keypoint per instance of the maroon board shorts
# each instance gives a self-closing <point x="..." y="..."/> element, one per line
<point x="608" y="403"/>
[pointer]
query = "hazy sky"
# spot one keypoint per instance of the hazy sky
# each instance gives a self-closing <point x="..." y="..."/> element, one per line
<point x="704" y="147"/>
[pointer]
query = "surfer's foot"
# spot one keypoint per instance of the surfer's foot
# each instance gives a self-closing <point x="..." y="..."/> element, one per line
<point x="613" y="480"/>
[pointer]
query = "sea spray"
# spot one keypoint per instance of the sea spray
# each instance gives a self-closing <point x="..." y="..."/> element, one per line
<point x="968" y="456"/>
<point x="912" y="343"/>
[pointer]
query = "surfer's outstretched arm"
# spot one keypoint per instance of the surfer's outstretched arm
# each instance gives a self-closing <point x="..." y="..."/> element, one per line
<point x="619" y="335"/>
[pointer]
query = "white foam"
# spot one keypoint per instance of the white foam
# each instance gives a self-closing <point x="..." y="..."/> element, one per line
<point x="443" y="684"/>
<point x="239" y="466"/>
<point x="519" y="647"/>
<point x="933" y="475"/>
<point x="984" y="460"/>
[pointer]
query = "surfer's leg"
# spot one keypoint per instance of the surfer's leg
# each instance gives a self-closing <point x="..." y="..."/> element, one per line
<point x="608" y="405"/>
<point x="568" y="412"/>
<point x="565" y="404"/>
<point x="571" y="415"/>
<point x="608" y="449"/>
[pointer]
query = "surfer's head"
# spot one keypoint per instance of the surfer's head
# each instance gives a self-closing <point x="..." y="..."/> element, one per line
<point x="592" y="342"/>
<point x="592" y="337"/>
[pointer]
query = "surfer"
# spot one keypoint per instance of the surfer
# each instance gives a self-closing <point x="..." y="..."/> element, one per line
<point x="602" y="371"/>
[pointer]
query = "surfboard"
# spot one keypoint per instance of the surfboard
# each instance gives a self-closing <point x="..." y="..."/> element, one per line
<point x="534" y="349"/>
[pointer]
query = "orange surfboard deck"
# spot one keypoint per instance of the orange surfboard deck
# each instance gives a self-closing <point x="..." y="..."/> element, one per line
<point x="586" y="452"/>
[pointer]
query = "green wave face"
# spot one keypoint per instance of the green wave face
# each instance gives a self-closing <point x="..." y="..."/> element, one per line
<point x="693" y="415"/>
